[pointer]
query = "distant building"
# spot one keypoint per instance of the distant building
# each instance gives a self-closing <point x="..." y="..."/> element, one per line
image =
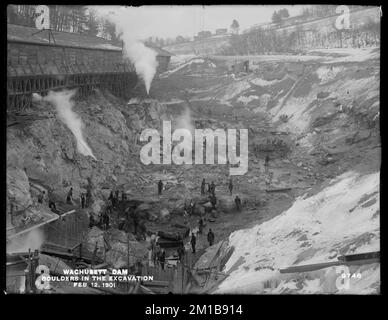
<point x="240" y="66"/>
<point x="221" y="31"/>
<point x="204" y="34"/>
<point x="163" y="57"/>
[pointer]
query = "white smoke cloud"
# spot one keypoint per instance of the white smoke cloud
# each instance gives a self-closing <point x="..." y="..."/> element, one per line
<point x="63" y="103"/>
<point x="127" y="28"/>
<point x="143" y="58"/>
<point x="32" y="240"/>
<point x="184" y="121"/>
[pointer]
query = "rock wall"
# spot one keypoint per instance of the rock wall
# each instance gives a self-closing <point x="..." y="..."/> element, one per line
<point x="43" y="151"/>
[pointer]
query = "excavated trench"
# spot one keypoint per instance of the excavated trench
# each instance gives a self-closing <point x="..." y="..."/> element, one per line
<point x="297" y="140"/>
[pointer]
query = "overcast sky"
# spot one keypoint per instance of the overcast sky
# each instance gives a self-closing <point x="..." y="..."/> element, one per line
<point x="171" y="21"/>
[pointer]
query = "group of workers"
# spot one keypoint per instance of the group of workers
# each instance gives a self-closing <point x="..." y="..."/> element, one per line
<point x="193" y="240"/>
<point x="212" y="193"/>
<point x="114" y="198"/>
<point x="42" y="198"/>
<point x="86" y="198"/>
<point x="158" y="255"/>
<point x="211" y="188"/>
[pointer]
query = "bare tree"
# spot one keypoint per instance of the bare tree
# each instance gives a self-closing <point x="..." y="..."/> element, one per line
<point x="235" y="26"/>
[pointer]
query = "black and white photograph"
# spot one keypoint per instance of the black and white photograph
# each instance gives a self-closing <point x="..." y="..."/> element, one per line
<point x="192" y="150"/>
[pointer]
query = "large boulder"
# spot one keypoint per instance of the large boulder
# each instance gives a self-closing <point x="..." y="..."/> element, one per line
<point x="117" y="256"/>
<point x="164" y="215"/>
<point x="200" y="199"/>
<point x="55" y="265"/>
<point x="115" y="235"/>
<point x="97" y="207"/>
<point x="18" y="188"/>
<point x="213" y="255"/>
<point x="95" y="239"/>
<point x="178" y="208"/>
<point x="198" y="210"/>
<point x="142" y="208"/>
<point x="226" y="204"/>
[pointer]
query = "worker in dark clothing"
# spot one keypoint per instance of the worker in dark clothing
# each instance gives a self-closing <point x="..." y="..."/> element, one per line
<point x="106" y="220"/>
<point x="210" y="237"/>
<point x="156" y="254"/>
<point x="191" y="208"/>
<point x="52" y="205"/>
<point x="69" y="198"/>
<point x="230" y="186"/>
<point x="162" y="258"/>
<point x="88" y="198"/>
<point x="193" y="242"/>
<point x="92" y="221"/>
<point x="237" y="201"/>
<point x="135" y="223"/>
<point x="41" y="197"/>
<point x="51" y="202"/>
<point x="116" y="197"/>
<point x="153" y="246"/>
<point x="181" y="253"/>
<point x="209" y="189"/>
<point x="200" y="225"/>
<point x="160" y="187"/>
<point x="203" y="185"/>
<point x="142" y="229"/>
<point x="12" y="212"/>
<point x="213" y="189"/>
<point x="83" y="201"/>
<point x="123" y="197"/>
<point x="266" y="163"/>
<point x="111" y="199"/>
<point x="213" y="201"/>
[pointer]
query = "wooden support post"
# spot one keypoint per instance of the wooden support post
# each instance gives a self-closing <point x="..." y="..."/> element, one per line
<point x="80" y="251"/>
<point x="128" y="258"/>
<point x="94" y="256"/>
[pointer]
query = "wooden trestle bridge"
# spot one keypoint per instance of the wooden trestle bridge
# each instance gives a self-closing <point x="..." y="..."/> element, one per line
<point x="38" y="64"/>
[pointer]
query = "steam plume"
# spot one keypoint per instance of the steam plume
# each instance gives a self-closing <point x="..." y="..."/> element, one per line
<point x="64" y="106"/>
<point x="141" y="56"/>
<point x="184" y="121"/>
<point x="32" y="240"/>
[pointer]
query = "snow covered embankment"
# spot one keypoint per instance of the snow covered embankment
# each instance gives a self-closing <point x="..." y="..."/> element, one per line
<point x="341" y="219"/>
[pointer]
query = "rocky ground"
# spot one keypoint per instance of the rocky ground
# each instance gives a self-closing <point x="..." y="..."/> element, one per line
<point x="316" y="118"/>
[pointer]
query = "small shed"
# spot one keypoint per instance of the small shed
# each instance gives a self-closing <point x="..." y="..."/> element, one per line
<point x="240" y="66"/>
<point x="163" y="57"/>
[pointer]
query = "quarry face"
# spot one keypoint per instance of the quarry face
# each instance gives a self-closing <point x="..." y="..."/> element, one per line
<point x="309" y="195"/>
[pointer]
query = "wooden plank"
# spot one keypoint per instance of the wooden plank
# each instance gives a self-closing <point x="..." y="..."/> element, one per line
<point x="360" y="256"/>
<point x="57" y="253"/>
<point x="317" y="266"/>
<point x="31" y="228"/>
<point x="278" y="190"/>
<point x="311" y="267"/>
<point x="363" y="261"/>
<point x="157" y="283"/>
<point x="146" y="290"/>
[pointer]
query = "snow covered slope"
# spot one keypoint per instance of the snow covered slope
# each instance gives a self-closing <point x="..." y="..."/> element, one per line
<point x="343" y="218"/>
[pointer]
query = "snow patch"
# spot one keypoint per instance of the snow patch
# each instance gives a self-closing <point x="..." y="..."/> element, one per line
<point x="264" y="83"/>
<point x="169" y="72"/>
<point x="326" y="74"/>
<point x="247" y="99"/>
<point x="314" y="230"/>
<point x="234" y="90"/>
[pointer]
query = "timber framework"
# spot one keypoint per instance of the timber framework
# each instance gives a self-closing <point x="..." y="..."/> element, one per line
<point x="38" y="62"/>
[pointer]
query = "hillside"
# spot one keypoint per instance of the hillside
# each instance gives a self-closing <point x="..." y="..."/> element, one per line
<point x="315" y="116"/>
<point x="325" y="106"/>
